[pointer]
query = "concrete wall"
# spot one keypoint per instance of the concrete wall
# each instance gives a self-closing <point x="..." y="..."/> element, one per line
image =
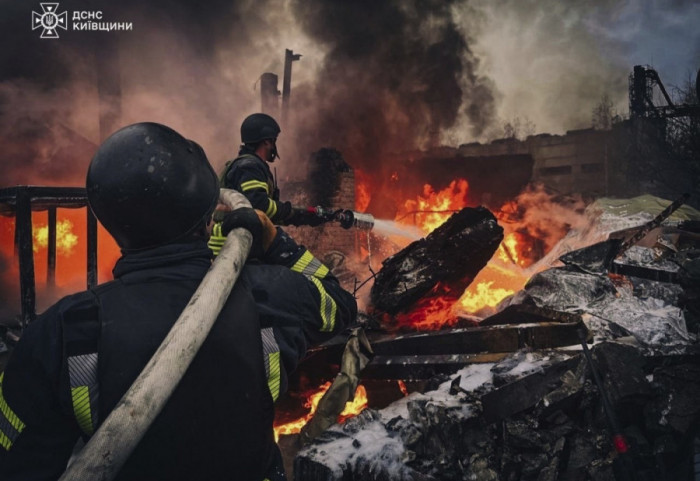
<point x="578" y="162"/>
<point x="573" y="163"/>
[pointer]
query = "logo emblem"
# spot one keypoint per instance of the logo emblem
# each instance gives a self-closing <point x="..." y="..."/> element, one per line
<point x="50" y="20"/>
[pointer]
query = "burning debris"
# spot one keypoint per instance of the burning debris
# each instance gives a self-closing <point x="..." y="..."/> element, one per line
<point x="529" y="410"/>
<point x="443" y="264"/>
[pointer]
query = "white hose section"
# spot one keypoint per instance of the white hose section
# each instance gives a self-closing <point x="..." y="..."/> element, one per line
<point x="112" y="444"/>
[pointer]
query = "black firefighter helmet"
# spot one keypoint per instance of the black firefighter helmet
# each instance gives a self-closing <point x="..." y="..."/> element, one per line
<point x="149" y="186"/>
<point x="258" y="127"/>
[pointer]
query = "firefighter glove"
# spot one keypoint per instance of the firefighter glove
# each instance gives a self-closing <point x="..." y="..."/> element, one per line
<point x="253" y="221"/>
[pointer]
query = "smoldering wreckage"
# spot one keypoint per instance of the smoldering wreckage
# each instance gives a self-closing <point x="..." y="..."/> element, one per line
<point x="589" y="372"/>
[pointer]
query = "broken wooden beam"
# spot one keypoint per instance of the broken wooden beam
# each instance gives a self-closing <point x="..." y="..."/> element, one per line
<point x="528" y="313"/>
<point x="416" y="355"/>
<point x="408" y="368"/>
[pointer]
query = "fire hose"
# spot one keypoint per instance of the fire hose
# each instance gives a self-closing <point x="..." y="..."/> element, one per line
<point x="346" y="218"/>
<point x="112" y="444"/>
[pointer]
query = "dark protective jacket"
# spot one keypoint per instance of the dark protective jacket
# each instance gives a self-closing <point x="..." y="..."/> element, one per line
<point x="76" y="360"/>
<point x="250" y="175"/>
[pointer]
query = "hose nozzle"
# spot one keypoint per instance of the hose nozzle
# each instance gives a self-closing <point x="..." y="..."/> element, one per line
<point x="358" y="220"/>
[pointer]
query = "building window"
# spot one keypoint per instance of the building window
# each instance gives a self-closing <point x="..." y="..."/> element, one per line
<point x="561" y="170"/>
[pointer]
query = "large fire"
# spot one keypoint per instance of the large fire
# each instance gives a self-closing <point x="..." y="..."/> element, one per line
<point x="430" y="210"/>
<point x="71" y="255"/>
<point x="352" y="408"/>
<point x="501" y="277"/>
<point x="66" y="239"/>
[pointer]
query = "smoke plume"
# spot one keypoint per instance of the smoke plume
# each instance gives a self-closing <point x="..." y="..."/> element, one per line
<point x="374" y="77"/>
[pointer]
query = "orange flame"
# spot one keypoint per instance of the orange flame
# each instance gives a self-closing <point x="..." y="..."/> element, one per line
<point x="402" y="387"/>
<point x="432" y="209"/>
<point x="429" y="313"/>
<point x="362" y="191"/>
<point x="483" y="295"/>
<point x="71" y="255"/>
<point x="66" y="239"/>
<point x="352" y="408"/>
<point x="501" y="277"/>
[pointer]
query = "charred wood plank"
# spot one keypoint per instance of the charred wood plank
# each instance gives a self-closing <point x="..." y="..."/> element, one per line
<point x="528" y="313"/>
<point x="524" y="393"/>
<point x="451" y="255"/>
<point x="480" y="339"/>
<point x="425" y="351"/>
<point x="423" y="367"/>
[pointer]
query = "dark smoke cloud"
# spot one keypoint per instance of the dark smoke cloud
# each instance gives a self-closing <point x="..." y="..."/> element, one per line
<point x="375" y="77"/>
<point x="395" y="75"/>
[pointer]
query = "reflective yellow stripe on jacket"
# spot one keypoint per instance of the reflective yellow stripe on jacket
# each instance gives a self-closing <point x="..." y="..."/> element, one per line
<point x="310" y="266"/>
<point x="82" y="372"/>
<point x="271" y="354"/>
<point x="328" y="307"/>
<point x="10" y="424"/>
<point x="271" y="208"/>
<point x="254" y="184"/>
<point x="314" y="270"/>
<point x="217" y="239"/>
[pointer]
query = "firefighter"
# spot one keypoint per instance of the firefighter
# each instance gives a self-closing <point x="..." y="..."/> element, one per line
<point x="250" y="173"/>
<point x="154" y="191"/>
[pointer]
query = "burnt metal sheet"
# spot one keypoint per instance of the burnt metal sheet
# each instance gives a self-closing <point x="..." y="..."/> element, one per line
<point x="447" y="259"/>
<point x="42" y="198"/>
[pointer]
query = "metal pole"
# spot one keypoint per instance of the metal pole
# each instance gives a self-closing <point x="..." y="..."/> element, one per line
<point x="51" y="257"/>
<point x="23" y="232"/>
<point x="91" y="249"/>
<point x="289" y="57"/>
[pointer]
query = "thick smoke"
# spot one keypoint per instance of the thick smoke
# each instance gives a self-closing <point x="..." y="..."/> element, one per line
<point x="374" y="78"/>
<point x="189" y="66"/>
<point x="395" y="76"/>
<point x="552" y="61"/>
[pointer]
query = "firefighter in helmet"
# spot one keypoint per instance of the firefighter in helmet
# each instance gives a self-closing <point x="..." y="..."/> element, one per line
<point x="155" y="191"/>
<point x="250" y="174"/>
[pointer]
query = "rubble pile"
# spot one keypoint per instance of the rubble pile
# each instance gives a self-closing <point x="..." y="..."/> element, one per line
<point x="446" y="434"/>
<point x="540" y="414"/>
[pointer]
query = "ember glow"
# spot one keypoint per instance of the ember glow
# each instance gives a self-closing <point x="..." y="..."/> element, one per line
<point x="402" y="387"/>
<point x="352" y="408"/>
<point x="432" y="312"/>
